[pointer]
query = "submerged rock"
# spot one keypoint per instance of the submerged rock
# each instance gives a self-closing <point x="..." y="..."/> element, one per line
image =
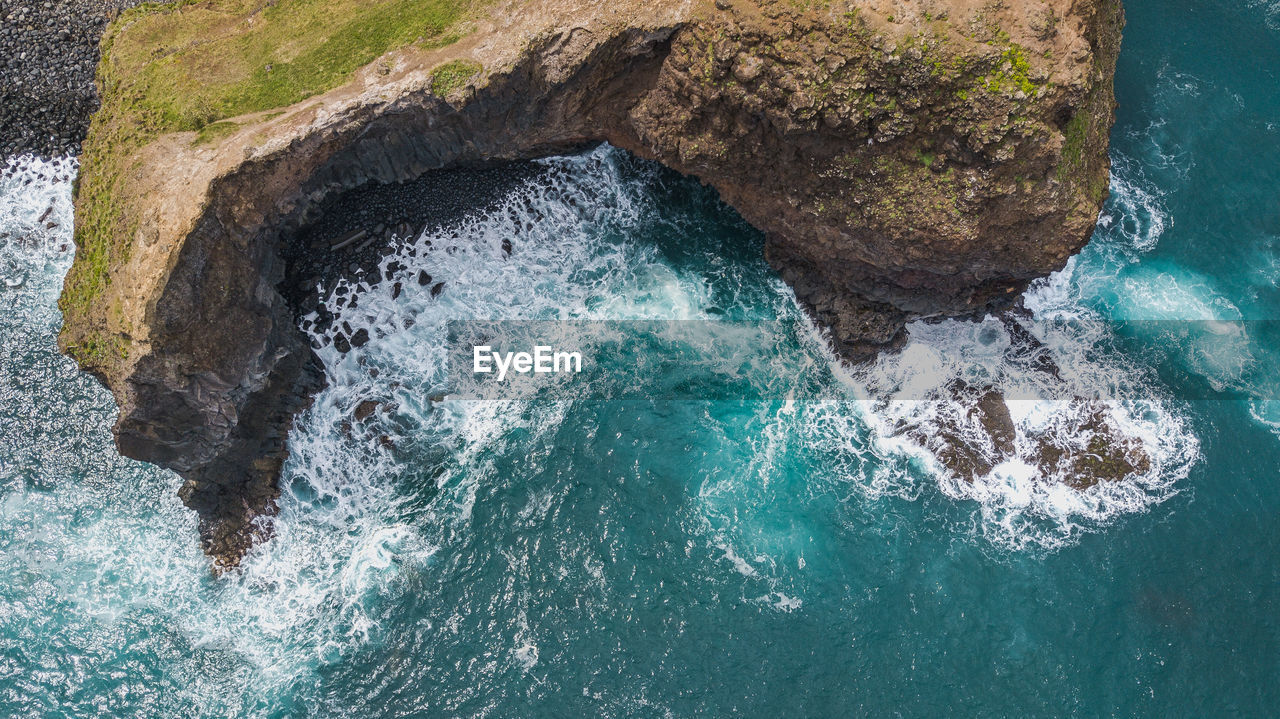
<point x="1094" y="452"/>
<point x="972" y="442"/>
<point x="366" y="409"/>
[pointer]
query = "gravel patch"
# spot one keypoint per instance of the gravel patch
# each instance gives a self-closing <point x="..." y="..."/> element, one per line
<point x="48" y="54"/>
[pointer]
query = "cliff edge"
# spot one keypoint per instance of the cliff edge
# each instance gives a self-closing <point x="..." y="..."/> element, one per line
<point x="904" y="160"/>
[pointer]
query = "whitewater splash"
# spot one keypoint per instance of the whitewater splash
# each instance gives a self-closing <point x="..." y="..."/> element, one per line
<point x="101" y="565"/>
<point x="464" y="558"/>
<point x="561" y="247"/>
<point x="35" y="218"/>
<point x="1029" y="492"/>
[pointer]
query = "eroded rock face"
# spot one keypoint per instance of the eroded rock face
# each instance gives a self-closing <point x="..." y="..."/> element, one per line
<point x="910" y="165"/>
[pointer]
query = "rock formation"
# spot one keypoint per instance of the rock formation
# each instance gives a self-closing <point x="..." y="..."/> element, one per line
<point x="904" y="159"/>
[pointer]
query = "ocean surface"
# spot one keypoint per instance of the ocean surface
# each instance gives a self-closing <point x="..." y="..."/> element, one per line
<point x="554" y="557"/>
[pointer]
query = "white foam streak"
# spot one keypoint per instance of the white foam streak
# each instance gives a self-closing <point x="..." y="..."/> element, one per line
<point x="35" y="214"/>
<point x="1018" y="505"/>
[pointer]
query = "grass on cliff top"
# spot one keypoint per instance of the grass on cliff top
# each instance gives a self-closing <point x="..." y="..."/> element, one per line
<point x="189" y="66"/>
<point x="453" y="75"/>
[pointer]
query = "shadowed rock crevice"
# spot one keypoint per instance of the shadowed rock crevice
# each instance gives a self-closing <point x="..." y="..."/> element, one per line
<point x="902" y="166"/>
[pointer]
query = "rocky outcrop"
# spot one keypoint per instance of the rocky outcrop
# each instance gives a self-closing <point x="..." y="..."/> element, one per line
<point x="903" y="163"/>
<point x="976" y="433"/>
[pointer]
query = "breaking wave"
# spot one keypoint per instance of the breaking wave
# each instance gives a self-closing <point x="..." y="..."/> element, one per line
<point x="572" y="255"/>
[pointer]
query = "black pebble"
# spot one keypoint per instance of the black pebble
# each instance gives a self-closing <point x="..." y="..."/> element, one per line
<point x="360" y="338"/>
<point x="435" y="291"/>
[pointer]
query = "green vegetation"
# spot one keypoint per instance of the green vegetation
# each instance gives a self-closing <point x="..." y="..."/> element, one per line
<point x="804" y="5"/>
<point x="907" y="194"/>
<point x="97" y="351"/>
<point x="1074" y="136"/>
<point x="189" y="66"/>
<point x="215" y="131"/>
<point x="1006" y="74"/>
<point x="1074" y="159"/>
<point x="453" y="75"/>
<point x="855" y="24"/>
<point x="1013" y="74"/>
<point x="185" y="65"/>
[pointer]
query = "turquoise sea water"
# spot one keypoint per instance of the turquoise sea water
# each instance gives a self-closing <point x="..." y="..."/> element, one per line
<point x="697" y="558"/>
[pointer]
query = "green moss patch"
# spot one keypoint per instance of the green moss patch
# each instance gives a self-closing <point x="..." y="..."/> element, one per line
<point x="99" y="351"/>
<point x="1075" y="134"/>
<point x="453" y="75"/>
<point x="1013" y="74"/>
<point x="215" y="131"/>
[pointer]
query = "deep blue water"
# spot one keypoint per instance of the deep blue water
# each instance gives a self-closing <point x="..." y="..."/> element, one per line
<point x="703" y="558"/>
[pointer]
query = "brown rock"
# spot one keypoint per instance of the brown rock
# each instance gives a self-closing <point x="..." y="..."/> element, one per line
<point x="1087" y="451"/>
<point x="1097" y="454"/>
<point x="365" y="409"/>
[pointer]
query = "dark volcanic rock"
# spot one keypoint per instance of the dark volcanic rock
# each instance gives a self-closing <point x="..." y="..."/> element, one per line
<point x="434" y="200"/>
<point x="48" y="52"/>
<point x="1084" y="449"/>
<point x="1095" y="453"/>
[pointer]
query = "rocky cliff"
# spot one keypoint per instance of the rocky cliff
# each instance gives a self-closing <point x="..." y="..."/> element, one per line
<point x="904" y="159"/>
